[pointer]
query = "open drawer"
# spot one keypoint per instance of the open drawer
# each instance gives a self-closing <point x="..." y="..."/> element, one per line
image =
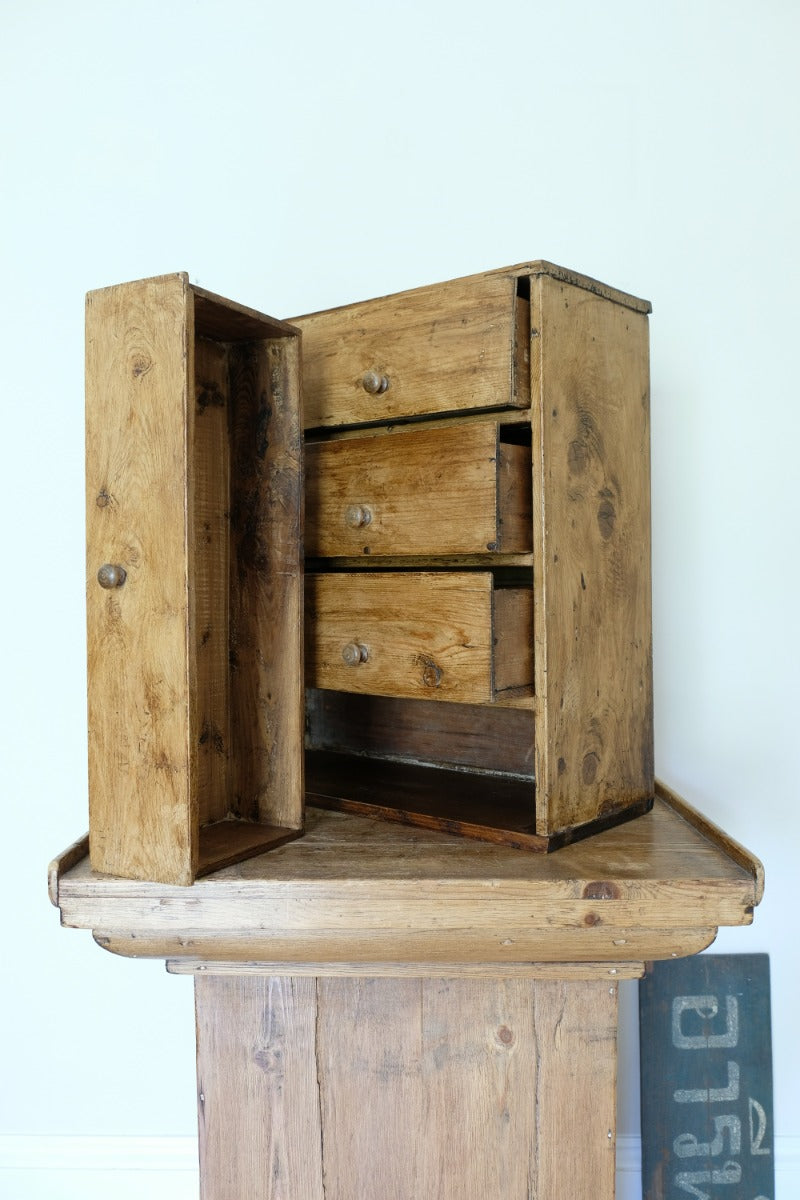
<point x="441" y="635"/>
<point x="433" y="490"/>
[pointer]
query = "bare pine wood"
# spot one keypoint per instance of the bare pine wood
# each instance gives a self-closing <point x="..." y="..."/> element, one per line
<point x="428" y="491"/>
<point x="424" y="635"/>
<point x="513" y="650"/>
<point x="486" y="738"/>
<point x="583" y="528"/>
<point x="552" y="971"/>
<point x="359" y="889"/>
<point x="194" y="470"/>
<point x="210" y="591"/>
<point x="266" y="636"/>
<point x="592" y="614"/>
<point x="444" y="352"/>
<point x="258" y="1102"/>
<point x="406" y="1088"/>
<point x="142" y="763"/>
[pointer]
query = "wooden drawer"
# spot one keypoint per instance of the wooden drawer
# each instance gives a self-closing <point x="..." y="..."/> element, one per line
<point x="427" y="491"/>
<point x="453" y="348"/>
<point x="425" y="635"/>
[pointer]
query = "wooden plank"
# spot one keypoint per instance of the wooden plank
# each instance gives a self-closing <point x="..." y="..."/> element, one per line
<point x="576" y="1068"/>
<point x="141" y="762"/>
<point x="210" y="515"/>
<point x="473" y="1088"/>
<point x="265" y="645"/>
<point x="509" y="950"/>
<point x="593" y="654"/>
<point x="485" y="738"/>
<point x="439" y="349"/>
<point x="495" y="808"/>
<point x="425" y="635"/>
<point x="513" y="638"/>
<point x="258" y="1104"/>
<point x="552" y="971"/>
<point x="707" y="1117"/>
<point x="427" y="491"/>
<point x="514" y="494"/>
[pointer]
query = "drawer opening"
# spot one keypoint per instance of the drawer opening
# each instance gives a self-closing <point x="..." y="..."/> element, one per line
<point x="491" y="808"/>
<point x="454" y="767"/>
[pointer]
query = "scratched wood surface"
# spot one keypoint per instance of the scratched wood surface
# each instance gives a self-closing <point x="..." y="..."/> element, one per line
<point x="449" y="350"/>
<point x="424" y="635"/>
<point x="405" y="1088"/>
<point x="592" y="608"/>
<point x="141" y="762"/>
<point x="194" y="487"/>
<point x="355" y="889"/>
<point x="427" y="491"/>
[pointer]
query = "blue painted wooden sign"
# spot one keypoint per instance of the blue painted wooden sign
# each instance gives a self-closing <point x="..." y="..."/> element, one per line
<point x="706" y="1071"/>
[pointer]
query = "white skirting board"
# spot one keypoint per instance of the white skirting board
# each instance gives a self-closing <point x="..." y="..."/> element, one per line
<point x="94" y="1168"/>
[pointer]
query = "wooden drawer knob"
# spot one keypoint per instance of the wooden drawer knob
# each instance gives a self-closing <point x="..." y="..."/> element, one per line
<point x="375" y="383"/>
<point x="358" y="515"/>
<point x="354" y="653"/>
<point x="111" y="575"/>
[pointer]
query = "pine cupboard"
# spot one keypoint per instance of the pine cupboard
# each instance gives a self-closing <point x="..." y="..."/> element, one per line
<point x="478" y="556"/>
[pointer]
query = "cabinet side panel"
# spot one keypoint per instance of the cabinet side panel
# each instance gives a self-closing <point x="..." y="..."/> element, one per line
<point x="592" y="608"/>
<point x="266" y="604"/>
<point x="138" y="357"/>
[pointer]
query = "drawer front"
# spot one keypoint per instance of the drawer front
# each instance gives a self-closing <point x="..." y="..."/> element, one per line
<point x="432" y="636"/>
<point x="454" y="347"/>
<point x="430" y="491"/>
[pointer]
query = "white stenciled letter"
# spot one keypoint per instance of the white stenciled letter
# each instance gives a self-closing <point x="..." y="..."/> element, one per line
<point x="711" y="1095"/>
<point x="686" y="1145"/>
<point x="758" y="1126"/>
<point x="706" y="1007"/>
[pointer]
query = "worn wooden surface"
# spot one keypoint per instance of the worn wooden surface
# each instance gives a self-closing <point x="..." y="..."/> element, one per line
<point x="355" y="889"/>
<point x="266" y="631"/>
<point x="453" y="1088"/>
<point x="446" y="350"/>
<point x="435" y="491"/>
<point x="485" y="737"/>
<point x="426" y="491"/>
<point x="592" y="610"/>
<point x="142" y="762"/>
<point x="426" y="635"/>
<point x="194" y="486"/>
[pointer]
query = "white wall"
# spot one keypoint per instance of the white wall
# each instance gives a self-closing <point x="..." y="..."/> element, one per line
<point x="296" y="156"/>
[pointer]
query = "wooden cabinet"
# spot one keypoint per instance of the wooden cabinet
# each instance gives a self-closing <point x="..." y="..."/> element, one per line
<point x="194" y="580"/>
<point x="478" y="555"/>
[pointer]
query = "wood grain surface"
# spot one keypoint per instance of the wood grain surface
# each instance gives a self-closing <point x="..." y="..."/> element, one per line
<point x="447" y="349"/>
<point x="194" y="489"/>
<point x="425" y="635"/>
<point x="359" y="889"/>
<point x="592" y="608"/>
<point x="427" y="491"/>
<point x="142" y="761"/>
<point x="453" y="1088"/>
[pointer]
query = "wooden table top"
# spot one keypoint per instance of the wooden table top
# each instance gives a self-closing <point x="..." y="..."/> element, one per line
<point x="359" y="895"/>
